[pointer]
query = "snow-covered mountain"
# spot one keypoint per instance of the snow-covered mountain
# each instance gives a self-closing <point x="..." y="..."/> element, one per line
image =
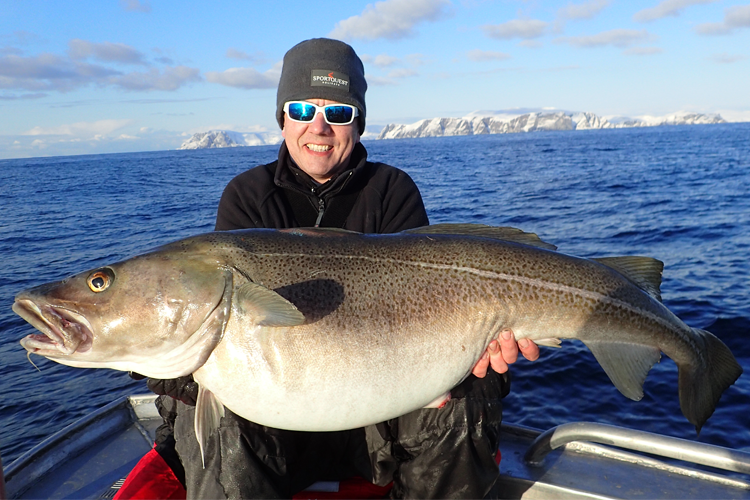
<point x="505" y="122"/>
<point x="478" y="122"/>
<point x="229" y="139"/>
<point x="673" y="119"/>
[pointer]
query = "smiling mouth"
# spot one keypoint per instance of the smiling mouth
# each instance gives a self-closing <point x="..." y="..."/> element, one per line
<point x="64" y="332"/>
<point x="319" y="148"/>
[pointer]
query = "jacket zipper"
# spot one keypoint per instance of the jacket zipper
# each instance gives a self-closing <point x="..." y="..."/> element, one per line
<point x="321" y="211"/>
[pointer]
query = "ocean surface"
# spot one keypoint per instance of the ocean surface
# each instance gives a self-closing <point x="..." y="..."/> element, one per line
<point x="680" y="194"/>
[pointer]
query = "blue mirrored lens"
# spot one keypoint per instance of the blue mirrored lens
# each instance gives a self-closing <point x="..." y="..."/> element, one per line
<point x="301" y="112"/>
<point x="339" y="114"/>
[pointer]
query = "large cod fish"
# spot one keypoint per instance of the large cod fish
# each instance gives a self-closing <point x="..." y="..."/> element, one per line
<point x="322" y="330"/>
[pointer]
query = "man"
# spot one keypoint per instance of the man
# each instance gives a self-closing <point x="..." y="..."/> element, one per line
<point x="322" y="178"/>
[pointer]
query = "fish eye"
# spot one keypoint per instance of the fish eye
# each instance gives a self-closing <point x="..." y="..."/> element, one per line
<point x="100" y="280"/>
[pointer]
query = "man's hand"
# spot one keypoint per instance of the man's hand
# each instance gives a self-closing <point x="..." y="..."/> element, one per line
<point x="182" y="388"/>
<point x="504" y="351"/>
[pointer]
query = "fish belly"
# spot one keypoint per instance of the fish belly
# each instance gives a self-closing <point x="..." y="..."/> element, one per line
<point x="319" y="378"/>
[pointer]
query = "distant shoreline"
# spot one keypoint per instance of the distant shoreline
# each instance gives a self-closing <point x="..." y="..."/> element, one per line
<point x="477" y="123"/>
<point x="508" y="123"/>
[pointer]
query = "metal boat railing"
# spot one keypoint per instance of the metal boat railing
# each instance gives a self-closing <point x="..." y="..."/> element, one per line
<point x="635" y="440"/>
<point x="76" y="437"/>
<point x="591" y="441"/>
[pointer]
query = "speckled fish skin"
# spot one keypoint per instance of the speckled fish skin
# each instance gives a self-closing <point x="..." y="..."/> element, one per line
<point x="407" y="316"/>
<point x="391" y="322"/>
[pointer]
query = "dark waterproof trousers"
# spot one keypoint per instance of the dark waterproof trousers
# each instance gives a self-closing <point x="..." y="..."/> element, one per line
<point x="430" y="453"/>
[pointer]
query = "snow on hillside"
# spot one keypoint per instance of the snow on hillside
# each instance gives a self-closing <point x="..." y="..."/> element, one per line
<point x="229" y="139"/>
<point x="478" y="122"/>
<point x="522" y="120"/>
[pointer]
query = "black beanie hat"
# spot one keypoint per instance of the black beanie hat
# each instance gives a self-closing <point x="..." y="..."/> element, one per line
<point x="322" y="68"/>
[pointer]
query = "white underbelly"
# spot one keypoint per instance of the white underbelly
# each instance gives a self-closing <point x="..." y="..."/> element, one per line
<point x="298" y="379"/>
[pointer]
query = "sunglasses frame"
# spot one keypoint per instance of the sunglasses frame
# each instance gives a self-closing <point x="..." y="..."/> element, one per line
<point x="321" y="109"/>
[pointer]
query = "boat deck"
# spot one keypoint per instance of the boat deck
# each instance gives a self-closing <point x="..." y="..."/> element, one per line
<point x="90" y="458"/>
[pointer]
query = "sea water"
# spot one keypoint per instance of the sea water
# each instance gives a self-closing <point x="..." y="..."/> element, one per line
<point x="679" y="194"/>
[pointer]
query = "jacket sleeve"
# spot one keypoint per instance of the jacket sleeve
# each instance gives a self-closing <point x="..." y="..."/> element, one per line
<point x="237" y="209"/>
<point x="403" y="207"/>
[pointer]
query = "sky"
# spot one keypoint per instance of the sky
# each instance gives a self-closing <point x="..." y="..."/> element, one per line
<point x="106" y="76"/>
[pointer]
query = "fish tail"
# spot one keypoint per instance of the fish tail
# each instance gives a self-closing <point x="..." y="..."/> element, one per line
<point x="701" y="386"/>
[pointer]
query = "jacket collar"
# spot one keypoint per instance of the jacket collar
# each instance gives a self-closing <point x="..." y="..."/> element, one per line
<point x="289" y="176"/>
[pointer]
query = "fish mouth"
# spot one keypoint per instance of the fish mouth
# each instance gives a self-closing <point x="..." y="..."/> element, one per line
<point x="65" y="332"/>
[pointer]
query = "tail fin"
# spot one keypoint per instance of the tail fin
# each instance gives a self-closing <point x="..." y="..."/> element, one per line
<point x="701" y="386"/>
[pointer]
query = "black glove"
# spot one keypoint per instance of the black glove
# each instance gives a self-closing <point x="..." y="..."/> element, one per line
<point x="184" y="389"/>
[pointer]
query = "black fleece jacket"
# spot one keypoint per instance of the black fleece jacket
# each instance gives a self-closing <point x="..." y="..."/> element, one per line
<point x="367" y="197"/>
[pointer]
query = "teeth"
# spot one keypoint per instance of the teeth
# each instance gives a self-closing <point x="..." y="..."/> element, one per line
<point x="319" y="148"/>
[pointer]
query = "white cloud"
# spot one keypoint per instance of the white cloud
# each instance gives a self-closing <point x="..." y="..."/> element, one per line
<point x="171" y="78"/>
<point x="246" y="78"/>
<point x="381" y="60"/>
<point x="161" y="58"/>
<point x="384" y="60"/>
<point x="397" y="68"/>
<point x="402" y="73"/>
<point x="517" y="28"/>
<point x="379" y="81"/>
<point x="487" y="55"/>
<point x="585" y="10"/>
<point x="415" y="59"/>
<point x="233" y="53"/>
<point x="734" y="18"/>
<point x="21" y="37"/>
<point x="667" y="8"/>
<point x="725" y="58"/>
<point x="105" y="136"/>
<point x="14" y="97"/>
<point x="81" y="129"/>
<point x="107" y="52"/>
<point x="136" y="5"/>
<point x="644" y="51"/>
<point x="10" y="51"/>
<point x="531" y="44"/>
<point x="50" y="72"/>
<point x="390" y="19"/>
<point x="392" y="77"/>
<point x="618" y="37"/>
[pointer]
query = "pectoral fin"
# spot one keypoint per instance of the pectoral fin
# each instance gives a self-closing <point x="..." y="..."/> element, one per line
<point x="208" y="413"/>
<point x="626" y="364"/>
<point x="551" y="342"/>
<point x="266" y="306"/>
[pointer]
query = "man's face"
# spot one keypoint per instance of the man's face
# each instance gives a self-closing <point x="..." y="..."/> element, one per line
<point x="319" y="149"/>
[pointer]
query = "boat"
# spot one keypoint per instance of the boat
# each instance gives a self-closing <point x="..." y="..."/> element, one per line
<point x="91" y="458"/>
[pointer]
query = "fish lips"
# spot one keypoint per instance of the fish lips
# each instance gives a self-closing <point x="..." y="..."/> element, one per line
<point x="65" y="332"/>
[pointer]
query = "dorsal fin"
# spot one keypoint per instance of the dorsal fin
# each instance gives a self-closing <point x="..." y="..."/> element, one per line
<point x="645" y="272"/>
<point x="481" y="230"/>
<point x="317" y="231"/>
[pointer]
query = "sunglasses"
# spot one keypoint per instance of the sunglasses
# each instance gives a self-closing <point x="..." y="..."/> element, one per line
<point x="334" y="114"/>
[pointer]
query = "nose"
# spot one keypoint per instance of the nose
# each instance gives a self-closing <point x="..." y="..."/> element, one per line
<point x="319" y="125"/>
